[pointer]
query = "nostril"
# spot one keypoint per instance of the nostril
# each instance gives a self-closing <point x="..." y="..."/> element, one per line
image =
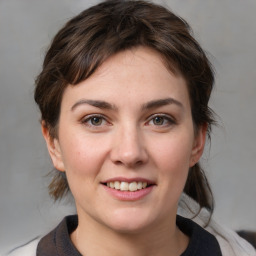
<point x="129" y="164"/>
<point x="118" y="162"/>
<point x="139" y="162"/>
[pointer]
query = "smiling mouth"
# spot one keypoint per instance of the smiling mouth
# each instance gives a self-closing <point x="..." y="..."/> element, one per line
<point x="127" y="186"/>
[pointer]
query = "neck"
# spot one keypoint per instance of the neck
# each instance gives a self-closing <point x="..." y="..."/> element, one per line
<point x="93" y="238"/>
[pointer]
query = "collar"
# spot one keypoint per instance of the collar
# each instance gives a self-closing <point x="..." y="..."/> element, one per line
<point x="58" y="242"/>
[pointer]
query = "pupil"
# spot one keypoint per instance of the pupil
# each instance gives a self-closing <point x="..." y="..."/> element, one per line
<point x="96" y="120"/>
<point x="158" y="120"/>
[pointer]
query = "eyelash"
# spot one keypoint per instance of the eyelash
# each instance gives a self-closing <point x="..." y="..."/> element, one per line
<point x="88" y="119"/>
<point x="166" y="119"/>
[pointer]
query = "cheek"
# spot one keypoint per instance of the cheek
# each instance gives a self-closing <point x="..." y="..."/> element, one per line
<point x="82" y="162"/>
<point x="172" y="156"/>
<point x="174" y="150"/>
<point x="81" y="155"/>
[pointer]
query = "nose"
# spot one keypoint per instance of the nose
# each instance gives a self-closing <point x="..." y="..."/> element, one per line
<point x="129" y="148"/>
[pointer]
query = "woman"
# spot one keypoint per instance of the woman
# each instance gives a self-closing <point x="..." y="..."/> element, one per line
<point x="124" y="96"/>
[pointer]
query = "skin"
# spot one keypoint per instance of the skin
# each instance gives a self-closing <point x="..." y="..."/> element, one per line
<point x="130" y="139"/>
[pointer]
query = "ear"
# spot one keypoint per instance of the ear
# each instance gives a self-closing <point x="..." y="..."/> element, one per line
<point x="53" y="148"/>
<point x="198" y="146"/>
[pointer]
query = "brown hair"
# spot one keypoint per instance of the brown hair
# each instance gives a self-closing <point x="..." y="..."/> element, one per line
<point x="105" y="29"/>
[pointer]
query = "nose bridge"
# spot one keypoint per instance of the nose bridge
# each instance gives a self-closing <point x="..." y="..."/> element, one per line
<point x="129" y="148"/>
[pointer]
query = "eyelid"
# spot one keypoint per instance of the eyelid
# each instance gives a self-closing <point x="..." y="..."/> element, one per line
<point x="171" y="120"/>
<point x="87" y="118"/>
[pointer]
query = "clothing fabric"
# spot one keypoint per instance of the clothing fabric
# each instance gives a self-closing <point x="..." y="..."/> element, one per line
<point x="230" y="242"/>
<point x="28" y="249"/>
<point x="213" y="240"/>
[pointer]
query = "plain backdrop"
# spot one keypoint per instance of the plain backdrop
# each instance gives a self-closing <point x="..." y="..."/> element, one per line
<point x="225" y="28"/>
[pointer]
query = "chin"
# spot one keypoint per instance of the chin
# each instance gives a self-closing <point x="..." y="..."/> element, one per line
<point x="130" y="222"/>
<point x="128" y="228"/>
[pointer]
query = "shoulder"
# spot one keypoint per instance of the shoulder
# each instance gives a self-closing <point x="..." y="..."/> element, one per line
<point x="28" y="249"/>
<point x="56" y="240"/>
<point x="230" y="242"/>
<point x="201" y="241"/>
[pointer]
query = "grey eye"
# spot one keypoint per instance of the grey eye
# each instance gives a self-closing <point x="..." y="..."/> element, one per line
<point x="158" y="120"/>
<point x="96" y="120"/>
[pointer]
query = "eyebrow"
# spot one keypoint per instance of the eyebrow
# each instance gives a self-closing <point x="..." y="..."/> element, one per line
<point x="105" y="105"/>
<point x="160" y="103"/>
<point x="95" y="103"/>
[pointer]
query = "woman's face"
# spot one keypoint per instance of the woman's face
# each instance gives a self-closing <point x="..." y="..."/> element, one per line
<point x="126" y="142"/>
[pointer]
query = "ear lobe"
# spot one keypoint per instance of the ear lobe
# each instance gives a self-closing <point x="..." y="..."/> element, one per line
<point x="198" y="146"/>
<point x="53" y="148"/>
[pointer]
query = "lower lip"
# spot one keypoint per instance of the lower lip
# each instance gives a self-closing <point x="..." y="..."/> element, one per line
<point x="128" y="195"/>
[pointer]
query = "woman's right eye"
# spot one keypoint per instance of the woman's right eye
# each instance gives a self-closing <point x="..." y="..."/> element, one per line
<point x="94" y="121"/>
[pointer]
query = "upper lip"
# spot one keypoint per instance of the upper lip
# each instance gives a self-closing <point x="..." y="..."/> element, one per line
<point x="129" y="180"/>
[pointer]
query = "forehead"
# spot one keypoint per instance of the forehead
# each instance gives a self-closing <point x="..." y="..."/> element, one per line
<point x="137" y="75"/>
<point x="143" y="59"/>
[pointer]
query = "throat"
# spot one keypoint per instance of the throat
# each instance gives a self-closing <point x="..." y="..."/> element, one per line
<point x="144" y="244"/>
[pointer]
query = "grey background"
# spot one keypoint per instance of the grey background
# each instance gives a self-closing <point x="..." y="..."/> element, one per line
<point x="225" y="28"/>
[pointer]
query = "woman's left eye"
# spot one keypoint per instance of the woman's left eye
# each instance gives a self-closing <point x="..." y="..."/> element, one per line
<point x="161" y="120"/>
<point x="96" y="120"/>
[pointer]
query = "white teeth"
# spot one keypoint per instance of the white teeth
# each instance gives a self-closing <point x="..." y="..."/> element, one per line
<point x="117" y="185"/>
<point x="133" y="186"/>
<point x="126" y="186"/>
<point x="139" y="185"/>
